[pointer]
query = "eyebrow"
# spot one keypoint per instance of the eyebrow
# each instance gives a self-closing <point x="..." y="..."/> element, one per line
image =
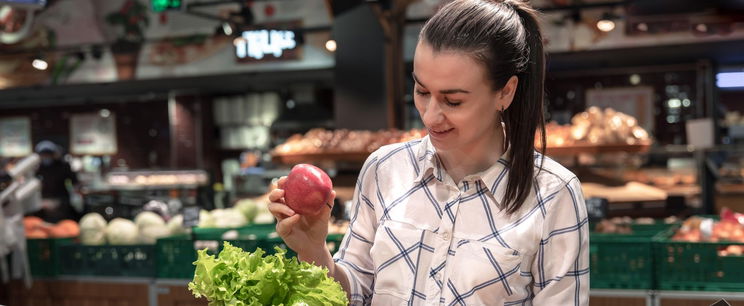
<point x="444" y="91"/>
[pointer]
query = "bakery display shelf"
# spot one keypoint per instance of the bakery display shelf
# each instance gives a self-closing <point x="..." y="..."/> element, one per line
<point x="595" y="149"/>
<point x="320" y="157"/>
<point x="294" y="158"/>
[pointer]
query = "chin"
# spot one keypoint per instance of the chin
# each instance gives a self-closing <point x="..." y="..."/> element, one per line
<point x="442" y="146"/>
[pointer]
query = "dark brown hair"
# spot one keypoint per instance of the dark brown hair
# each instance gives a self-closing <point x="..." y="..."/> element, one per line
<point x="504" y="35"/>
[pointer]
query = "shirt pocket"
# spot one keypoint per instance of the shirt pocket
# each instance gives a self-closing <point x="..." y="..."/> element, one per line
<point x="395" y="255"/>
<point x="483" y="274"/>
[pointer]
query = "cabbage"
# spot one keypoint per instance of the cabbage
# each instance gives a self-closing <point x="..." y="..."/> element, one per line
<point x="228" y="218"/>
<point x="92" y="229"/>
<point x="175" y="225"/>
<point x="248" y="208"/>
<point x="150" y="234"/>
<point x="205" y="219"/>
<point x="148" y="218"/>
<point x="122" y="231"/>
<point x="243" y="278"/>
<point x="263" y="215"/>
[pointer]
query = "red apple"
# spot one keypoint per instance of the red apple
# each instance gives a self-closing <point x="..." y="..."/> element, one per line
<point x="307" y="189"/>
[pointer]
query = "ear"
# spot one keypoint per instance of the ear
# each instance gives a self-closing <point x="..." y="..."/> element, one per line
<point x="506" y="94"/>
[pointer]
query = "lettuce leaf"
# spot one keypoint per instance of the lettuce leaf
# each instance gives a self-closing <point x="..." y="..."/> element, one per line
<point x="243" y="278"/>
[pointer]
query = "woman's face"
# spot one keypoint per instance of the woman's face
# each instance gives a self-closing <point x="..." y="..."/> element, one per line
<point x="455" y="98"/>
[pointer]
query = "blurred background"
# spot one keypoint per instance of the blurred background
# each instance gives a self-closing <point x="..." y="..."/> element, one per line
<point x="176" y="115"/>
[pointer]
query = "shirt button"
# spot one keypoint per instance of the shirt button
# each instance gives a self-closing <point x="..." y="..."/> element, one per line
<point x="446" y="236"/>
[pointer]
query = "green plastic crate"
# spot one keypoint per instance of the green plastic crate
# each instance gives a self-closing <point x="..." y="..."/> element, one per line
<point x="696" y="265"/>
<point x="107" y="260"/>
<point x="624" y="261"/>
<point x="176" y="254"/>
<point x="42" y="255"/>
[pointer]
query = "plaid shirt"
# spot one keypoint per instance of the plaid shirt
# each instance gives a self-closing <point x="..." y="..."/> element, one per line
<point x="418" y="238"/>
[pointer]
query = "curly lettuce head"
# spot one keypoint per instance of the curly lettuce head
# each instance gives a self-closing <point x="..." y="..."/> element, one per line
<point x="241" y="278"/>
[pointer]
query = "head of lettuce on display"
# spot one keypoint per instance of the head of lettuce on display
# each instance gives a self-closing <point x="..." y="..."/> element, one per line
<point x="241" y="278"/>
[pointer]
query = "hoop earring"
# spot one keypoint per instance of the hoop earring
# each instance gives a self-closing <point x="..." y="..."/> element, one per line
<point x="503" y="129"/>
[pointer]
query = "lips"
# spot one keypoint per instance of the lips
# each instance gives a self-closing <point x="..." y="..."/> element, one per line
<point x="440" y="132"/>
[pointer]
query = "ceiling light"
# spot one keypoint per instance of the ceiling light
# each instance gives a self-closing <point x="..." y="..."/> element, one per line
<point x="605" y="25"/>
<point x="330" y="45"/>
<point x="39" y="63"/>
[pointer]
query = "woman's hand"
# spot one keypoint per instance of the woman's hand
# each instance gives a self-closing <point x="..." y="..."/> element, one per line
<point x="306" y="235"/>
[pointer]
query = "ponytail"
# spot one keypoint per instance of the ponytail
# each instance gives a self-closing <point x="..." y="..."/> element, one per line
<point x="525" y="115"/>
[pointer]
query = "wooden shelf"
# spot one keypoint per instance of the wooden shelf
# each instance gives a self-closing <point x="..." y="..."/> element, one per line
<point x="357" y="157"/>
<point x="360" y="157"/>
<point x="595" y="149"/>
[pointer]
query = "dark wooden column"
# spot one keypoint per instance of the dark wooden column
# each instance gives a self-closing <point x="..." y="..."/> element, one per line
<point x="393" y="19"/>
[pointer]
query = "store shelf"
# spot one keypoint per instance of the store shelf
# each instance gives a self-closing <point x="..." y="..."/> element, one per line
<point x="362" y="156"/>
<point x="630" y="192"/>
<point x="695" y="298"/>
<point x="683" y="190"/>
<point x="359" y="157"/>
<point x="615" y="297"/>
<point x="730" y="188"/>
<point x="595" y="149"/>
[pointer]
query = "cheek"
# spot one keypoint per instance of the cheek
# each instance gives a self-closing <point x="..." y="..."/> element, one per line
<point x="420" y="105"/>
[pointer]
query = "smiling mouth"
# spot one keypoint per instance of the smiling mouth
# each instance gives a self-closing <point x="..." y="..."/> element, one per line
<point x="440" y="132"/>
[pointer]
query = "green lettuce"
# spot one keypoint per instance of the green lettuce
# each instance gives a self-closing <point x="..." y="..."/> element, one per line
<point x="243" y="278"/>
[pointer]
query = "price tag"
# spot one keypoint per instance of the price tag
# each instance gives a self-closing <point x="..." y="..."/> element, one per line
<point x="191" y="216"/>
<point x="596" y="208"/>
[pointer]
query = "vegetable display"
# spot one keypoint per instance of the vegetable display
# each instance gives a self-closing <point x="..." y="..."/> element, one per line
<point x="240" y="278"/>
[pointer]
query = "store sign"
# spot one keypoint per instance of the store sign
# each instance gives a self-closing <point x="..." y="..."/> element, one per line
<point x="93" y="134"/>
<point x="190" y="216"/>
<point x="15" y="137"/>
<point x="272" y="42"/>
<point x="136" y="179"/>
<point x="257" y="44"/>
<point x="596" y="208"/>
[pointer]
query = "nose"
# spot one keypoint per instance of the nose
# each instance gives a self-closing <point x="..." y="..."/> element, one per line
<point x="432" y="115"/>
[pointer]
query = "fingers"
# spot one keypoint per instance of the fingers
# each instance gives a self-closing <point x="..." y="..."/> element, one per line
<point x="280" y="211"/>
<point x="333" y="197"/>
<point x="276" y="196"/>
<point x="280" y="182"/>
<point x="285" y="226"/>
<point x="324" y="214"/>
<point x="332" y="200"/>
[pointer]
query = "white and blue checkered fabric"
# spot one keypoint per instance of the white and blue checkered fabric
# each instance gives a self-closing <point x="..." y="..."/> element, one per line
<point x="418" y="238"/>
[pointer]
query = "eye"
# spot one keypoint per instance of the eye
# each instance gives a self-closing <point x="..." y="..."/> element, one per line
<point x="452" y="103"/>
<point x="421" y="93"/>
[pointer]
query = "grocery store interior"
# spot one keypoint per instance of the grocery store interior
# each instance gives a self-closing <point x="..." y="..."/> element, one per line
<point x="135" y="132"/>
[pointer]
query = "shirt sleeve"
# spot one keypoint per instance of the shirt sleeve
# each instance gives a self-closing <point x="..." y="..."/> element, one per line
<point x="353" y="257"/>
<point x="561" y="265"/>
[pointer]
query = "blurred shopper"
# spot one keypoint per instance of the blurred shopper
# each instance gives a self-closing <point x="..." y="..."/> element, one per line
<point x="55" y="173"/>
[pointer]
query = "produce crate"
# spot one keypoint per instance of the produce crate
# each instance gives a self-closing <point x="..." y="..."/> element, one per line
<point x="43" y="258"/>
<point x="107" y="260"/>
<point x="696" y="265"/>
<point x="624" y="261"/>
<point x="176" y="254"/>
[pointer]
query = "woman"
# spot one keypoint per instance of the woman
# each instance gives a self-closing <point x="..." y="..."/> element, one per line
<point x="470" y="214"/>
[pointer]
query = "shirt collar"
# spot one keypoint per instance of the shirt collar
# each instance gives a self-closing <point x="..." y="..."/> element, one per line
<point x="493" y="179"/>
<point x="496" y="177"/>
<point x="429" y="161"/>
